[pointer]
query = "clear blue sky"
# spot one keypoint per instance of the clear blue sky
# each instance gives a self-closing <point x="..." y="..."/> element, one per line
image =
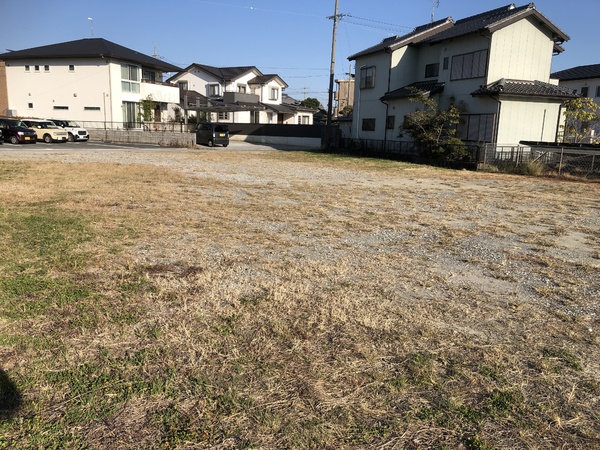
<point x="290" y="38"/>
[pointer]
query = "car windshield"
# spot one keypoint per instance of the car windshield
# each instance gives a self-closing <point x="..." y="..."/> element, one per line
<point x="46" y="125"/>
<point x="71" y="124"/>
<point x="16" y="123"/>
<point x="221" y="128"/>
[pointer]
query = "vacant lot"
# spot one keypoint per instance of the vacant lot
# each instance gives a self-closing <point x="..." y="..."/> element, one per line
<point x="290" y="300"/>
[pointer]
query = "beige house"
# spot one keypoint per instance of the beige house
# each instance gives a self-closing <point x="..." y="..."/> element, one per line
<point x="495" y="64"/>
<point x="93" y="81"/>
<point x="343" y="95"/>
<point x="241" y="94"/>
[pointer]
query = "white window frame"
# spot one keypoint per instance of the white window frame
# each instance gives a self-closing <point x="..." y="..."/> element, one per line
<point x="274" y="93"/>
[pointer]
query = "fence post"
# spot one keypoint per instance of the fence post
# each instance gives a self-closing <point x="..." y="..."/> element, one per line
<point x="593" y="159"/>
<point x="562" y="149"/>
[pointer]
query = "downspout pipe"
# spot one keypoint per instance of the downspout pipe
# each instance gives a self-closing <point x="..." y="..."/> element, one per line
<point x="387" y="106"/>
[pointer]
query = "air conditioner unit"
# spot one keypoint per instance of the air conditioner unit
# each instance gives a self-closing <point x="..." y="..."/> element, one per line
<point x="11" y="112"/>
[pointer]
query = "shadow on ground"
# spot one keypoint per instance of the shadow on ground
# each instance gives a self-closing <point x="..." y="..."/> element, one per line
<point x="10" y="398"/>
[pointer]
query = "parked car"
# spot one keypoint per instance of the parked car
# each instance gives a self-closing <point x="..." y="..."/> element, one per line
<point x="1" y="135"/>
<point x="46" y="130"/>
<point x="16" y="132"/>
<point x="212" y="134"/>
<point x="76" y="133"/>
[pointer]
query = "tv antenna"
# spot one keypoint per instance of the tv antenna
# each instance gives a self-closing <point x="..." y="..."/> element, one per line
<point x="92" y="25"/>
<point x="435" y="4"/>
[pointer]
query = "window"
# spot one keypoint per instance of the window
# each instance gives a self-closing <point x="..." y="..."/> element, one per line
<point x="254" y="117"/>
<point x="368" y="124"/>
<point x="390" y="122"/>
<point x="476" y="127"/>
<point x="71" y="67"/>
<point x="223" y="115"/>
<point x="148" y="75"/>
<point x="130" y="78"/>
<point x="303" y="120"/>
<point x="597" y="91"/>
<point x="469" y="65"/>
<point x="60" y="107"/>
<point x="30" y="105"/>
<point x="446" y="61"/>
<point x="46" y="68"/>
<point x="584" y="91"/>
<point x="270" y="117"/>
<point x="183" y="85"/>
<point x="213" y="90"/>
<point x="241" y="88"/>
<point x="27" y="68"/>
<point x="367" y="77"/>
<point x="91" y="108"/>
<point x="37" y="68"/>
<point x="432" y="70"/>
<point x="274" y="94"/>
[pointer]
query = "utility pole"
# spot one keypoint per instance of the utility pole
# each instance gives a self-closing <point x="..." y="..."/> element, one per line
<point x="335" y="18"/>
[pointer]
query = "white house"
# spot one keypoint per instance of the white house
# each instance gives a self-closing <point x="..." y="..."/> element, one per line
<point x="89" y="80"/>
<point x="495" y="64"/>
<point x="240" y="94"/>
<point x="583" y="80"/>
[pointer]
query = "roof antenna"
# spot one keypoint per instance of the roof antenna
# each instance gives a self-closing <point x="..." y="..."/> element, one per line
<point x="92" y="25"/>
<point x="435" y="4"/>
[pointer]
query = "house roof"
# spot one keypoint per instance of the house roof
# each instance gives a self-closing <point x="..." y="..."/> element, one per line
<point x="264" y="79"/>
<point x="578" y="73"/>
<point x="221" y="73"/>
<point x="446" y="29"/>
<point x="415" y="89"/>
<point x="89" y="48"/>
<point x="496" y="19"/>
<point x="524" y="88"/>
<point x="194" y="98"/>
<point x="395" y="42"/>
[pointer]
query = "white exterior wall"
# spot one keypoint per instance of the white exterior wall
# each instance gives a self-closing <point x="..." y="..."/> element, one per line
<point x="92" y="92"/>
<point x="593" y="85"/>
<point x="527" y="121"/>
<point x="368" y="105"/>
<point x="533" y="59"/>
<point x="87" y="86"/>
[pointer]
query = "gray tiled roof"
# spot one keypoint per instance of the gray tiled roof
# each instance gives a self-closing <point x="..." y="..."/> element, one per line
<point x="578" y="73"/>
<point x="418" y="34"/>
<point x="496" y="19"/>
<point x="525" y="88"/>
<point x="221" y="73"/>
<point x="415" y="89"/>
<point x="446" y="29"/>
<point x="89" y="48"/>
<point x="264" y="79"/>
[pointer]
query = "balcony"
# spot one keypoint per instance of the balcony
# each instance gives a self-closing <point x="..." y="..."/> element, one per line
<point x="160" y="92"/>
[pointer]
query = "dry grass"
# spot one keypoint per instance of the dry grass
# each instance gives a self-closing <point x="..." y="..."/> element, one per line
<point x="294" y="300"/>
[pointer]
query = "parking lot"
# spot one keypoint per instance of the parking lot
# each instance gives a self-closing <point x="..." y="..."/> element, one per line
<point x="40" y="146"/>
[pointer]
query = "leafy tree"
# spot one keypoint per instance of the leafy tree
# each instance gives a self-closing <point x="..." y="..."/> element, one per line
<point x="581" y="117"/>
<point x="147" y="106"/>
<point x="311" y="102"/>
<point x="346" y="110"/>
<point x="434" y="130"/>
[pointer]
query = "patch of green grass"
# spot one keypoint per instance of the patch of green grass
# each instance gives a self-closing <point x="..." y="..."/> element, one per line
<point x="564" y="358"/>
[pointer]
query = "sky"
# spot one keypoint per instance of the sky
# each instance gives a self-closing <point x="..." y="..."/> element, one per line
<point x="290" y="38"/>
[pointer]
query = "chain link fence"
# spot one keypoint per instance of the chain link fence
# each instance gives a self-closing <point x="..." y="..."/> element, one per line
<point x="542" y="159"/>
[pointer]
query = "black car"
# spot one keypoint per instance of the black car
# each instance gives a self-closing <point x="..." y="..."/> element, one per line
<point x="16" y="132"/>
<point x="212" y="134"/>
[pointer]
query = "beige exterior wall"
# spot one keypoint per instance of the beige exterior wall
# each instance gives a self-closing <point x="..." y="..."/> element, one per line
<point x="527" y="121"/>
<point x="344" y="95"/>
<point x="521" y="51"/>
<point x="3" y="89"/>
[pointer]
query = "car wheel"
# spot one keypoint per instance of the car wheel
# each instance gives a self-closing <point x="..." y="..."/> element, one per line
<point x="225" y="145"/>
<point x="14" y="140"/>
<point x="210" y="143"/>
<point x="47" y="138"/>
<point x="71" y="138"/>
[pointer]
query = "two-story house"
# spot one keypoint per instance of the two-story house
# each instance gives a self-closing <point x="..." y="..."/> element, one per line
<point x="582" y="80"/>
<point x="494" y="65"/>
<point x="89" y="80"/>
<point x="241" y="94"/>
